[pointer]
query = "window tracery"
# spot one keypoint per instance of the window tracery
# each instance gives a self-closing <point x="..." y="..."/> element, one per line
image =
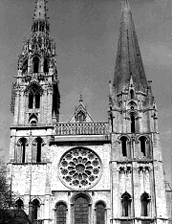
<point x="34" y="96"/>
<point x="80" y="168"/>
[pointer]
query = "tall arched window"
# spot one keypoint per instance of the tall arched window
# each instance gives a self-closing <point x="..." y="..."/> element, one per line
<point x="39" y="145"/>
<point x="19" y="204"/>
<point x="100" y="213"/>
<point x="34" y="96"/>
<point x="132" y="94"/>
<point x="35" y="65"/>
<point x="35" y="209"/>
<point x="37" y="150"/>
<point x="126" y="204"/>
<point x="145" y="203"/>
<point x="20" y="151"/>
<point x="133" y="128"/>
<point x="61" y="209"/>
<point x="25" y="66"/>
<point x="143" y="145"/>
<point x="81" y="210"/>
<point x="46" y="65"/>
<point x="124" y="146"/>
<point x="23" y="149"/>
<point x="30" y="104"/>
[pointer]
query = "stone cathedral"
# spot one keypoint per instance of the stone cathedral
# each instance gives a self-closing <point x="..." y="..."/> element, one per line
<point x="82" y="171"/>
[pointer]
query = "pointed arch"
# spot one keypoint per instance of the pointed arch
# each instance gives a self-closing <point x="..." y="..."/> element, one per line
<point x="33" y="119"/>
<point x="133" y="123"/>
<point x="25" y="66"/>
<point x="35" y="207"/>
<point x="34" y="93"/>
<point x="125" y="147"/>
<point x="36" y="63"/>
<point x="132" y="94"/>
<point x="46" y="65"/>
<point x="19" y="204"/>
<point x="143" y="141"/>
<point x="145" y="204"/>
<point x="37" y="150"/>
<point x="126" y="204"/>
<point x="20" y="151"/>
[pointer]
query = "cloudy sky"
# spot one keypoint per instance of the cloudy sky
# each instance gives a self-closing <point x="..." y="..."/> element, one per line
<point x="86" y="33"/>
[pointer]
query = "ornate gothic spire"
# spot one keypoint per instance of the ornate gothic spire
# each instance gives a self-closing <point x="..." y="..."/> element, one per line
<point x="40" y="19"/>
<point x="128" y="61"/>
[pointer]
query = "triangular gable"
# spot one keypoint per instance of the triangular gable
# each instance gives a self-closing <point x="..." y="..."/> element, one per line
<point x="81" y="114"/>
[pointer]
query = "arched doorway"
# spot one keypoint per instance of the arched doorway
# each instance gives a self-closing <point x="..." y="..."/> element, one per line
<point x="81" y="210"/>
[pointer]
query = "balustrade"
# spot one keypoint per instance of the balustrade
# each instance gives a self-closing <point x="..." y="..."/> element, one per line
<point x="98" y="128"/>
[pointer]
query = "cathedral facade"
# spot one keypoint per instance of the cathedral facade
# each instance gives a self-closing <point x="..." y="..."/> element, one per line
<point x="82" y="171"/>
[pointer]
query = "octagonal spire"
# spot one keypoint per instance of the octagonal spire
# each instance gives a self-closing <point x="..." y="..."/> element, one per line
<point x="128" y="60"/>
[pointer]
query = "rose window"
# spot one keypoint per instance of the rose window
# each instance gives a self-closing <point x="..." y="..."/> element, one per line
<point x="80" y="168"/>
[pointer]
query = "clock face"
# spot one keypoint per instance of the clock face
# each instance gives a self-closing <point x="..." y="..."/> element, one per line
<point x="80" y="168"/>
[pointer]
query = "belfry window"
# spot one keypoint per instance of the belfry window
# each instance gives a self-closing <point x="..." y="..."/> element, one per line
<point x="126" y="204"/>
<point x="35" y="65"/>
<point x="143" y="145"/>
<point x="25" y="66"/>
<point x="20" y="151"/>
<point x="37" y="150"/>
<point x="34" y="97"/>
<point x="35" y="205"/>
<point x="23" y="149"/>
<point x="132" y="94"/>
<point x="100" y="213"/>
<point x="124" y="145"/>
<point x="133" y="123"/>
<point x="145" y="201"/>
<point x="39" y="144"/>
<point x="61" y="213"/>
<point x="46" y="65"/>
<point x="19" y="204"/>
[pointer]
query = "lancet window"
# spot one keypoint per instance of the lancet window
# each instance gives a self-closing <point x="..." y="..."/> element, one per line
<point x="35" y="206"/>
<point x="35" y="65"/>
<point x="145" y="204"/>
<point x="46" y="65"/>
<point x="37" y="150"/>
<point x="19" y="204"/>
<point x="20" y="151"/>
<point x="133" y="128"/>
<point x="125" y="147"/>
<point x="126" y="204"/>
<point x="143" y="145"/>
<point x="25" y="66"/>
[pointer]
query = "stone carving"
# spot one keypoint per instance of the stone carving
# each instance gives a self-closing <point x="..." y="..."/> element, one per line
<point x="80" y="168"/>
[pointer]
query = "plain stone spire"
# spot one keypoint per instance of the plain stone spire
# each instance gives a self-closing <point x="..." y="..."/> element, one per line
<point x="128" y="60"/>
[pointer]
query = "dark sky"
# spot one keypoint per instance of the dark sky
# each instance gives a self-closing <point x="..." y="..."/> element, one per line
<point x="86" y="34"/>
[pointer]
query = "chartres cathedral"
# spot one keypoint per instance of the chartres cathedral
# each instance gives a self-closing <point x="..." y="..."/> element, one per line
<point x="82" y="171"/>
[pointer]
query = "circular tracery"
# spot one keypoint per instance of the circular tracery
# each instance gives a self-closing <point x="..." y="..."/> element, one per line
<point x="80" y="168"/>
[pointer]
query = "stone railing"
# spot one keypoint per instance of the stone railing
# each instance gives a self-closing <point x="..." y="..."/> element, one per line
<point x="97" y="128"/>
